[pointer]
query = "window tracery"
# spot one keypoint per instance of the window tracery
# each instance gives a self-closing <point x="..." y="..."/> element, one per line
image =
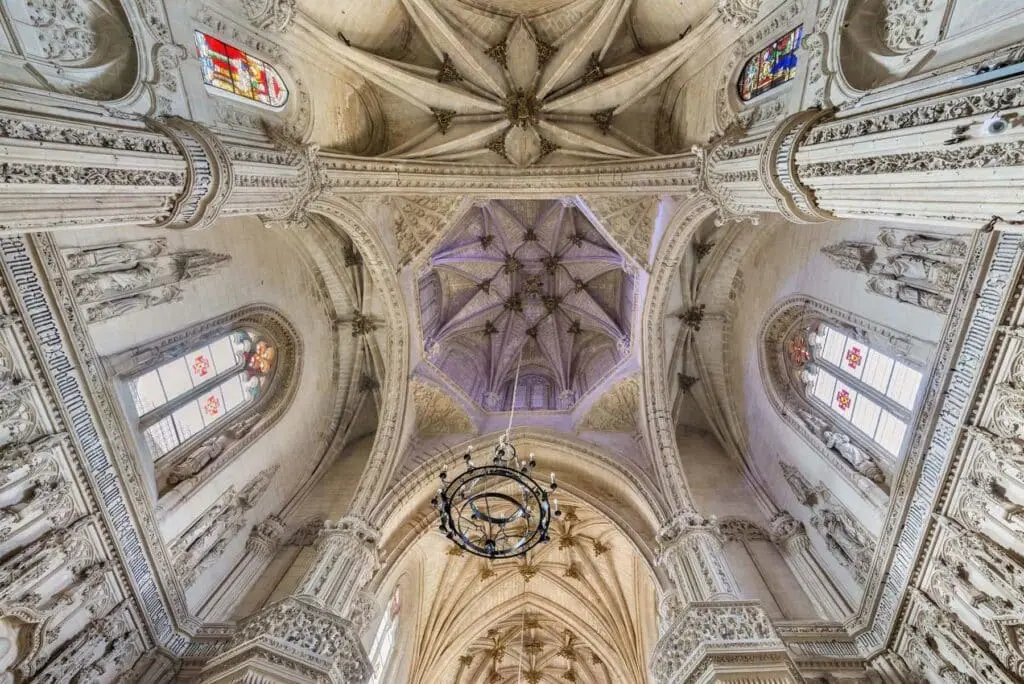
<point x="197" y="398"/>
<point x="227" y="69"/>
<point x="197" y="390"/>
<point x="849" y="386"/>
<point x="772" y="67"/>
<point x="384" y="641"/>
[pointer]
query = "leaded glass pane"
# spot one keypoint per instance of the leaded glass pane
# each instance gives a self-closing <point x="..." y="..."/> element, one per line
<point x="234" y="71"/>
<point x="853" y="357"/>
<point x="890" y="433"/>
<point x="161" y="437"/>
<point x="147" y="393"/>
<point x="200" y="366"/>
<point x="188" y="420"/>
<point x="175" y="377"/>
<point x="772" y="67"/>
<point x="824" y="386"/>
<point x="877" y="371"/>
<point x="865" y="415"/>
<point x="832" y="350"/>
<point x="224" y="356"/>
<point x="843" y="399"/>
<point x="904" y="385"/>
<point x="234" y="393"/>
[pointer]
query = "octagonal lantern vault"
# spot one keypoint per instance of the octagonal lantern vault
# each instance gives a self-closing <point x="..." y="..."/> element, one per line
<point x="534" y="276"/>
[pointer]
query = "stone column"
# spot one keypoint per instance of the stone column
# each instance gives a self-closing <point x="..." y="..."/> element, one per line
<point x="260" y="548"/>
<point x="704" y="624"/>
<point x="167" y="173"/>
<point x="790" y="536"/>
<point x="314" y="634"/>
<point x="954" y="159"/>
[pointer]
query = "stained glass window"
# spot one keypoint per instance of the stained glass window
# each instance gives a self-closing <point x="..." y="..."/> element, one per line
<point x="192" y="392"/>
<point x="234" y="71"/>
<point x="771" y="67"/>
<point x="872" y="391"/>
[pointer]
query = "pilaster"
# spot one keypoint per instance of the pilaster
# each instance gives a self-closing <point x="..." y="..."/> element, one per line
<point x="790" y="536"/>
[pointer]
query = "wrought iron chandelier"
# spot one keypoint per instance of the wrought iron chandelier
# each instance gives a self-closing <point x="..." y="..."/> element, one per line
<point x="497" y="510"/>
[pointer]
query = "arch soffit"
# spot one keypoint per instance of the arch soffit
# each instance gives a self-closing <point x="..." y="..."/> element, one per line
<point x="394" y="421"/>
<point x="680" y="231"/>
<point x="402" y="515"/>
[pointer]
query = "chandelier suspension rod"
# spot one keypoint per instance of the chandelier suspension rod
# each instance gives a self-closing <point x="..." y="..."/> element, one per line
<point x="515" y="391"/>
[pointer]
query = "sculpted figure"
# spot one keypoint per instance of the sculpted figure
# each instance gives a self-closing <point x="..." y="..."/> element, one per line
<point x="124" y="255"/>
<point x="853" y="455"/>
<point x="893" y="289"/>
<point x="140" y="302"/>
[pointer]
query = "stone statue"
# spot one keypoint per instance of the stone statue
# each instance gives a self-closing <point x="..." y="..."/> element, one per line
<point x="126" y="254"/>
<point x="893" y="289"/>
<point x="917" y="243"/>
<point x="853" y="455"/>
<point x="140" y="302"/>
<point x="907" y="267"/>
<point x="90" y="286"/>
<point x="808" y="375"/>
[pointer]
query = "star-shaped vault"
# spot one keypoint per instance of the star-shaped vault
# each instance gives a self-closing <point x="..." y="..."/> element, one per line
<point x="523" y="97"/>
<point x="534" y="276"/>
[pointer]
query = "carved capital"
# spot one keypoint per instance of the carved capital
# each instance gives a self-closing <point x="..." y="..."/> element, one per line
<point x="266" y="537"/>
<point x="296" y="639"/>
<point x="707" y="637"/>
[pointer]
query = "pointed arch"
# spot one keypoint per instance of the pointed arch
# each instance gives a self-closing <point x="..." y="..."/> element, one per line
<point x="847" y="385"/>
<point x="194" y="400"/>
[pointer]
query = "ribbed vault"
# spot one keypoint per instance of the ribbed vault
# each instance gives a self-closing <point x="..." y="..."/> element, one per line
<point x="581" y="609"/>
<point x="530" y="276"/>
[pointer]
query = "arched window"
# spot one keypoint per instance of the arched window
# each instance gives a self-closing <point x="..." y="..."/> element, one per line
<point x="235" y="72"/>
<point x="869" y="390"/>
<point x="771" y="67"/>
<point x="196" y="398"/>
<point x="384" y="640"/>
<point x="201" y="388"/>
<point x="848" y="385"/>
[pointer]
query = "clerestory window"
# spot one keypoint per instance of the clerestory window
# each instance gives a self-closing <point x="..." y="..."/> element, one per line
<point x="865" y="388"/>
<point x="230" y="71"/>
<point x="196" y="391"/>
<point x="772" y="67"/>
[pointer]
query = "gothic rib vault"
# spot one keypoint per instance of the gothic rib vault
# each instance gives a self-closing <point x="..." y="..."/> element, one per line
<point x="530" y="287"/>
<point x="268" y="266"/>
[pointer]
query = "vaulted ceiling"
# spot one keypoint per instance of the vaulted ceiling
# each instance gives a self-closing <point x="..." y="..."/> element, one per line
<point x="523" y="83"/>
<point x="526" y="277"/>
<point x="580" y="609"/>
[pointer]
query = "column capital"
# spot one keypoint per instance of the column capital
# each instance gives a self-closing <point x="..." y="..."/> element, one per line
<point x="288" y="641"/>
<point x="721" y="641"/>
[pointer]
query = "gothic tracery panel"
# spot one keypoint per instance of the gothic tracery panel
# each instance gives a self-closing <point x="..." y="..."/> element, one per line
<point x="76" y="47"/>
